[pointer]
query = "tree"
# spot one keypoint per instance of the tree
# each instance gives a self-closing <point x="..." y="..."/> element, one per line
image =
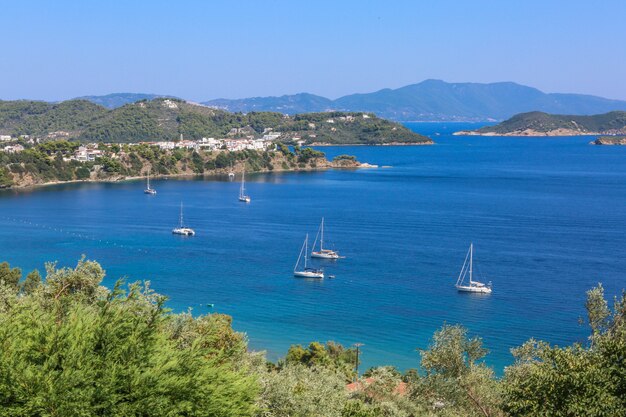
<point x="575" y="380"/>
<point x="9" y="276"/>
<point x="300" y="391"/>
<point x="75" y="348"/>
<point x="32" y="282"/>
<point x="455" y="379"/>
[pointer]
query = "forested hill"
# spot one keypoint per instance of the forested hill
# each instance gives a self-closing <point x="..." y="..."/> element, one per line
<point x="164" y="119"/>
<point x="543" y="124"/>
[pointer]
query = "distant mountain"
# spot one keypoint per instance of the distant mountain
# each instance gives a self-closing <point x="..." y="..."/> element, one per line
<point x="293" y="104"/>
<point x="115" y="100"/>
<point x="543" y="124"/>
<point x="165" y="119"/>
<point x="433" y="100"/>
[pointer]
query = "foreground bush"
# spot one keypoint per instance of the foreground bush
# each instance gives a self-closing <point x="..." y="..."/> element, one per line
<point x="69" y="347"/>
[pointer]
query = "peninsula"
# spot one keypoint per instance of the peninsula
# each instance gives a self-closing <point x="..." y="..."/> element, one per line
<point x="61" y="161"/>
<point x="543" y="124"/>
<point x="170" y="119"/>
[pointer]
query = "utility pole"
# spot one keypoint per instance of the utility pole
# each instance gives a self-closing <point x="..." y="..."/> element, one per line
<point x="356" y="365"/>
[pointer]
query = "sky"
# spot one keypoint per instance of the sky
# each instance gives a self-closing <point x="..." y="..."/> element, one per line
<point x="200" y="50"/>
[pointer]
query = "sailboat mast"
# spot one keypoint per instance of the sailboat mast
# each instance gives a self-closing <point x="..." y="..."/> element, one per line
<point x="471" y="260"/>
<point x="306" y="248"/>
<point x="241" y="190"/>
<point x="148" y="180"/>
<point x="181" y="214"/>
<point x="302" y="250"/>
<point x="322" y="237"/>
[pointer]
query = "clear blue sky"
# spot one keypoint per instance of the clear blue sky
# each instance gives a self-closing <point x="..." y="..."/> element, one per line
<point x="199" y="50"/>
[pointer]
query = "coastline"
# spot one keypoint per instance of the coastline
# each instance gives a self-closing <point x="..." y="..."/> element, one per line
<point x="528" y="133"/>
<point x="323" y="144"/>
<point x="26" y="187"/>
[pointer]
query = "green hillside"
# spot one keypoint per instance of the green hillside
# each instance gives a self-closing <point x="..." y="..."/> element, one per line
<point x="165" y="119"/>
<point x="608" y="123"/>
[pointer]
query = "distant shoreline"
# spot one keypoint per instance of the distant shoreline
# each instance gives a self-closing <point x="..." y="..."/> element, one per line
<point x="321" y="144"/>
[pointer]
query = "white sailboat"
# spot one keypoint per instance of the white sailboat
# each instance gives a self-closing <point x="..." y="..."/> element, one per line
<point x="149" y="190"/>
<point x="323" y="253"/>
<point x="306" y="272"/>
<point x="181" y="229"/>
<point x="242" y="190"/>
<point x="471" y="286"/>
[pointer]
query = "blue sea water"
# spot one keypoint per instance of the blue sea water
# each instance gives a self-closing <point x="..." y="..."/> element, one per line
<point x="546" y="215"/>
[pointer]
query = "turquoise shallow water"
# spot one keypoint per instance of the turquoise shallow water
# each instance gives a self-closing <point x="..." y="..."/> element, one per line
<point x="546" y="216"/>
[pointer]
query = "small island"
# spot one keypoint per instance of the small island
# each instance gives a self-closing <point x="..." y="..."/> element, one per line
<point x="544" y="124"/>
<point x="610" y="140"/>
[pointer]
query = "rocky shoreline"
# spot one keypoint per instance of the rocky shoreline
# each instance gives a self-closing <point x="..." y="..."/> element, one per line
<point x="610" y="140"/>
<point x="529" y="132"/>
<point x="320" y="164"/>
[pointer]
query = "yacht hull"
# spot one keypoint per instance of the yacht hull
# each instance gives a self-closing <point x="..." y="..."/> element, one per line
<point x="308" y="274"/>
<point x="325" y="255"/>
<point x="476" y="290"/>
<point x="185" y="231"/>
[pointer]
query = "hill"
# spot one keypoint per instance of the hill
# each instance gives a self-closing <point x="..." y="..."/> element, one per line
<point x="433" y="100"/>
<point x="115" y="100"/>
<point x="543" y="124"/>
<point x="165" y="119"/>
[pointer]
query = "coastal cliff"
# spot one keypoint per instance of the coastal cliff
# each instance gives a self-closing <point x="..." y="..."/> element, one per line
<point x="543" y="124"/>
<point x="51" y="163"/>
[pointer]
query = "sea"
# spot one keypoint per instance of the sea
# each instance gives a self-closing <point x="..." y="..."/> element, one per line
<point x="547" y="217"/>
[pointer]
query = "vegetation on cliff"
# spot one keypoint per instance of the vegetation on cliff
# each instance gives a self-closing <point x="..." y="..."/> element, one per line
<point x="166" y="119"/>
<point x="70" y="347"/>
<point x="52" y="161"/>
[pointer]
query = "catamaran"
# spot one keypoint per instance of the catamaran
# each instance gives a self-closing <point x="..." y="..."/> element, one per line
<point x="306" y="272"/>
<point x="242" y="190"/>
<point x="323" y="253"/>
<point x="181" y="229"/>
<point x="472" y="286"/>
<point x="149" y="190"/>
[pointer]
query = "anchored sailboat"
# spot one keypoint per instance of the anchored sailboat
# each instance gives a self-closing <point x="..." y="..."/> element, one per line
<point x="323" y="253"/>
<point x="149" y="190"/>
<point x="472" y="286"/>
<point x="181" y="229"/>
<point x="242" y="190"/>
<point x="306" y="272"/>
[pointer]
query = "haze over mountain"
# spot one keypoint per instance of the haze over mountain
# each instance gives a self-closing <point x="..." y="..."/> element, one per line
<point x="115" y="100"/>
<point x="435" y="100"/>
<point x="429" y="100"/>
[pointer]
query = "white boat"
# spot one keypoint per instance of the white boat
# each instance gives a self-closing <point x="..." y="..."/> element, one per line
<point x="306" y="272"/>
<point x="323" y="253"/>
<point x="231" y="174"/>
<point x="181" y="229"/>
<point x="149" y="190"/>
<point x="471" y="286"/>
<point x="242" y="190"/>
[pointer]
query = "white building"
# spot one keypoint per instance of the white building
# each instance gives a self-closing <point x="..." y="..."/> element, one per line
<point x="13" y="148"/>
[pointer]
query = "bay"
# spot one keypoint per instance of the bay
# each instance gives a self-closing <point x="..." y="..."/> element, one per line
<point x="546" y="216"/>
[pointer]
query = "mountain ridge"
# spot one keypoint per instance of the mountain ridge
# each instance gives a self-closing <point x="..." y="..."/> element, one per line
<point x="437" y="100"/>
